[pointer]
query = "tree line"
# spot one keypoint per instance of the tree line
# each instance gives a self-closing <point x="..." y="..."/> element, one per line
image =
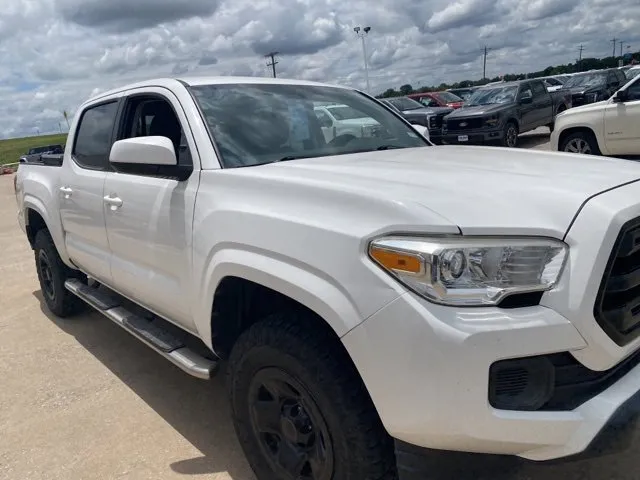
<point x="580" y="66"/>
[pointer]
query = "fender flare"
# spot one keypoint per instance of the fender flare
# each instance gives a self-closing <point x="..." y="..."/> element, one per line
<point x="33" y="203"/>
<point x="312" y="289"/>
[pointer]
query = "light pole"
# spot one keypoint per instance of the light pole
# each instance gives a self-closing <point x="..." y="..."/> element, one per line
<point x="362" y="32"/>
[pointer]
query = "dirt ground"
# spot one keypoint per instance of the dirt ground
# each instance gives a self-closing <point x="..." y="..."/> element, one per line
<point x="81" y="399"/>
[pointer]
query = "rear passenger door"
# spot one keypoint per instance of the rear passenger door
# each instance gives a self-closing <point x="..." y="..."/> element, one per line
<point x="80" y="193"/>
<point x="149" y="210"/>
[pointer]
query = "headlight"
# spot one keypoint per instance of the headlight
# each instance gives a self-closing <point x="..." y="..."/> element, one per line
<point x="492" y="121"/>
<point x="471" y="271"/>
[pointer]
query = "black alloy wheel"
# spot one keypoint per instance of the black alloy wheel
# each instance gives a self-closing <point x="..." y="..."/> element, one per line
<point x="292" y="433"/>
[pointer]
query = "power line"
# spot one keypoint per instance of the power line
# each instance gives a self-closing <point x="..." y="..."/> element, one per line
<point x="273" y="62"/>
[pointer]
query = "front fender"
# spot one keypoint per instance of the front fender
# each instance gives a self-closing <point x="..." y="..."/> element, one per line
<point x="317" y="292"/>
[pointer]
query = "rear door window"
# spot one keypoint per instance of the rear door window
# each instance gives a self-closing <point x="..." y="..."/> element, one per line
<point x="94" y="137"/>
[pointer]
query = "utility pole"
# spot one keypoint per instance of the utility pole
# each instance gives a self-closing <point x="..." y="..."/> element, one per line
<point x="621" y="42"/>
<point x="273" y="62"/>
<point x="614" y="40"/>
<point x="484" y="62"/>
<point x="363" y="32"/>
<point x="580" y="57"/>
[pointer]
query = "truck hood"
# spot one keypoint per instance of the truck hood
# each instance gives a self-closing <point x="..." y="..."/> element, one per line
<point x="477" y="111"/>
<point x="481" y="190"/>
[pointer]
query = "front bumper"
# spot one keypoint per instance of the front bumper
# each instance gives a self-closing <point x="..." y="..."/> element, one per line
<point x="474" y="137"/>
<point x="427" y="366"/>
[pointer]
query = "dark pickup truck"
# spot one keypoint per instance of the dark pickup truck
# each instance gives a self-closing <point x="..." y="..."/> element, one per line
<point x="415" y="112"/>
<point x="34" y="154"/>
<point x="499" y="113"/>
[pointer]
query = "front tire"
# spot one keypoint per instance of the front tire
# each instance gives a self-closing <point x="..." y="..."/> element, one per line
<point x="300" y="410"/>
<point x="510" y="135"/>
<point x="580" y="142"/>
<point x="52" y="273"/>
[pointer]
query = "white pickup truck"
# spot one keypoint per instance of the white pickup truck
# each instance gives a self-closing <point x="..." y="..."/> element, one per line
<point x="375" y="299"/>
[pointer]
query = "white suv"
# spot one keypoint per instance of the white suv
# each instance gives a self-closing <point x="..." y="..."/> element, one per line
<point x="610" y="127"/>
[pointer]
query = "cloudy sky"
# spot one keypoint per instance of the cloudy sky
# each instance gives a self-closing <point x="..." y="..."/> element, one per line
<point x="56" y="53"/>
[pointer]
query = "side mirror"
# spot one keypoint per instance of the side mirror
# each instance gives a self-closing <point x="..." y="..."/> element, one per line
<point x="422" y="130"/>
<point x="620" y="96"/>
<point x="144" y="151"/>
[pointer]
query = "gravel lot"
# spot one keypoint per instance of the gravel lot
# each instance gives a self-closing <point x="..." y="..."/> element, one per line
<point x="81" y="399"/>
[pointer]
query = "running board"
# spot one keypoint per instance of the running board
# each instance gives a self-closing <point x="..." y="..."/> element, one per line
<point x="162" y="341"/>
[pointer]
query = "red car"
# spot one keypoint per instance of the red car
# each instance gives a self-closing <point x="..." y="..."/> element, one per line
<point x="438" y="99"/>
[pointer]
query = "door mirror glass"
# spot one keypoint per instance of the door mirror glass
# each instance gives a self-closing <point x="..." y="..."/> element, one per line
<point x="144" y="151"/>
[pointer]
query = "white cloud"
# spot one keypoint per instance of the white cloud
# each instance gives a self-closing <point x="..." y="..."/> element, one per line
<point x="56" y="53"/>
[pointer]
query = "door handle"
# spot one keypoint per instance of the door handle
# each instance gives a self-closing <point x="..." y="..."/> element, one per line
<point x="66" y="191"/>
<point x="113" y="202"/>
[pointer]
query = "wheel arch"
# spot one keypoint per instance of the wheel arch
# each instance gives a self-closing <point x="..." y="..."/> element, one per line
<point x="236" y="277"/>
<point x="562" y="135"/>
<point x="36" y="217"/>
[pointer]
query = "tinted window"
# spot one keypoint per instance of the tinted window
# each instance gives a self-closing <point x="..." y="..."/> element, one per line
<point x="93" y="137"/>
<point x="254" y="124"/>
<point x="154" y="116"/>
<point x="538" y="89"/>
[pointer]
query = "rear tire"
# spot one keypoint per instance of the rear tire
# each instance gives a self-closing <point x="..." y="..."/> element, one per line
<point x="287" y="377"/>
<point x="52" y="273"/>
<point x="580" y="142"/>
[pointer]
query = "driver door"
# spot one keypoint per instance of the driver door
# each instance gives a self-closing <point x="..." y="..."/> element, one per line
<point x="527" y="108"/>
<point x="149" y="210"/>
<point x="622" y="123"/>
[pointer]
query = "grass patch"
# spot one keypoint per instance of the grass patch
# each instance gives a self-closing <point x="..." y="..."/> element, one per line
<point x="11" y="149"/>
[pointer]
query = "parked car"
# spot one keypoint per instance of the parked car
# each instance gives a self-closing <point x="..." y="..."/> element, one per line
<point x="417" y="113"/>
<point x="463" y="93"/>
<point x="609" y="127"/>
<point x="591" y="87"/>
<point x="375" y="299"/>
<point x="500" y="113"/>
<point x="34" y="154"/>
<point x="338" y="120"/>
<point x="438" y="99"/>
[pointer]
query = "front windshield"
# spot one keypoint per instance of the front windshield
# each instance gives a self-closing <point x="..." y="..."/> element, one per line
<point x="490" y="96"/>
<point x="448" y="97"/>
<point x="587" y="80"/>
<point x="404" y="103"/>
<point x="632" y="73"/>
<point x="254" y="124"/>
